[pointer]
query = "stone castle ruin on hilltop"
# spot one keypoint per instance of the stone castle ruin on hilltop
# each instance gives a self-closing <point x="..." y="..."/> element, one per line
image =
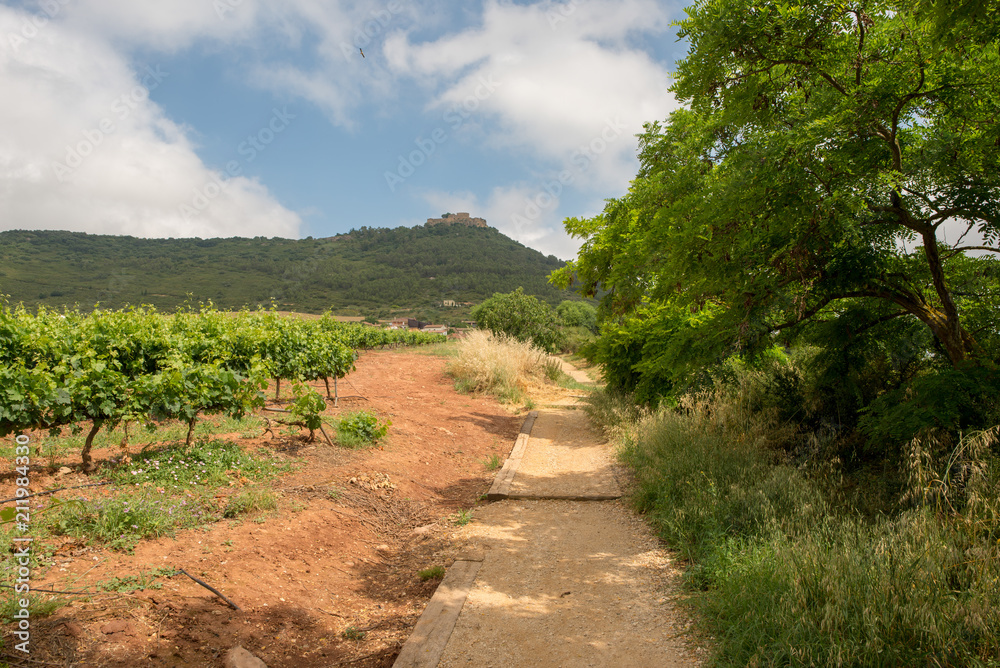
<point x="460" y="218"/>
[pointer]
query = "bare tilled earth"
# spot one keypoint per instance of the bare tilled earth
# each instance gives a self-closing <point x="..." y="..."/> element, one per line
<point x="307" y="573"/>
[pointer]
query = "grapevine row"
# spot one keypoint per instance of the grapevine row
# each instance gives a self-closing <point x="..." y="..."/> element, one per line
<point x="108" y="367"/>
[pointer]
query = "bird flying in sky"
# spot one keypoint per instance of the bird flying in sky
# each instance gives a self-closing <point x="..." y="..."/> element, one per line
<point x="362" y="51"/>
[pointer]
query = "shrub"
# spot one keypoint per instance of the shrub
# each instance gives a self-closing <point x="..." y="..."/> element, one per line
<point x="307" y="408"/>
<point x="577" y="314"/>
<point x="521" y="317"/>
<point x="361" y="429"/>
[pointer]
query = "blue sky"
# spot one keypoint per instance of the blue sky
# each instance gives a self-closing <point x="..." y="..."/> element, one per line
<point x="254" y="118"/>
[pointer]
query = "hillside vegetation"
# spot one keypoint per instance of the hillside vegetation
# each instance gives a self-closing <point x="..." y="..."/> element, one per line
<point x="372" y="271"/>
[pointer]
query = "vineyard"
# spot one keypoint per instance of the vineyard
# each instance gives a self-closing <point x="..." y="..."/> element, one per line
<point x="113" y="367"/>
<point x="317" y="545"/>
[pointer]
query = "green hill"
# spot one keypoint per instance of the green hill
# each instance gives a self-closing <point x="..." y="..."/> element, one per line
<point x="371" y="271"/>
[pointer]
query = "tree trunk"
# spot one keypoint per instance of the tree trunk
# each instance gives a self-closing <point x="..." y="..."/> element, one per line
<point x="190" y="435"/>
<point x="946" y="325"/>
<point x="88" y="463"/>
<point x="277" y="389"/>
<point x="957" y="342"/>
<point x="327" y="381"/>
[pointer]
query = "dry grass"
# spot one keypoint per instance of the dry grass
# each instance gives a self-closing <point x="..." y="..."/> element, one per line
<point x="498" y="365"/>
<point x="822" y="584"/>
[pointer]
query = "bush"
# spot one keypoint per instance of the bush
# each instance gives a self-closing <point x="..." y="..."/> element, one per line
<point x="361" y="429"/>
<point x="577" y="314"/>
<point x="521" y="317"/>
<point x="307" y="408"/>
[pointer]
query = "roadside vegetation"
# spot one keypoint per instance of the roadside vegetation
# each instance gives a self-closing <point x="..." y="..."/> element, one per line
<point x="500" y="365"/>
<point x="795" y="559"/>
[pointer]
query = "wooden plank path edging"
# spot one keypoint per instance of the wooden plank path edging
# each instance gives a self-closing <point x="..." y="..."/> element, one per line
<point x="424" y="647"/>
<point x="563" y="497"/>
<point x="501" y="484"/>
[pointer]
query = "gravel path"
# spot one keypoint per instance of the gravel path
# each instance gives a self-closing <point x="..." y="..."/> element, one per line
<point x="564" y="458"/>
<point x="567" y="583"/>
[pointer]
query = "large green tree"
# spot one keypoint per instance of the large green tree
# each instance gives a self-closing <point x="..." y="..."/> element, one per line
<point x="832" y="158"/>
<point x="520" y="316"/>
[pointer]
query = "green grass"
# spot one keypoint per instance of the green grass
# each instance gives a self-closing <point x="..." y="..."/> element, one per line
<point x="127" y="584"/>
<point x="206" y="464"/>
<point x="493" y="462"/>
<point x="565" y="380"/>
<point x="432" y="573"/>
<point x="248" y="502"/>
<point x="553" y="369"/>
<point x="161" y="492"/>
<point x="121" y="522"/>
<point x="39" y="605"/>
<point x="784" y="576"/>
<point x="354" y="633"/>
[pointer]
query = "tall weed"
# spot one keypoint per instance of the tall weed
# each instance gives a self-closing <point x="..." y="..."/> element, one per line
<point x="784" y="575"/>
<point x="497" y="365"/>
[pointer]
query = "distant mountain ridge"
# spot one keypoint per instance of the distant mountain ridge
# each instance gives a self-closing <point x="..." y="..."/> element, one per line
<point x="371" y="271"/>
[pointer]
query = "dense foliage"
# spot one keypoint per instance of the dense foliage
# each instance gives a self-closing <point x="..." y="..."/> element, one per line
<point x="369" y="271"/>
<point x="521" y="317"/>
<point x="834" y="182"/>
<point x="794" y="564"/>
<point x="106" y="367"/>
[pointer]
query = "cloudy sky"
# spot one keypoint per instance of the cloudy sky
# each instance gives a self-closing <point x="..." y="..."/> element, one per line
<point x="259" y="118"/>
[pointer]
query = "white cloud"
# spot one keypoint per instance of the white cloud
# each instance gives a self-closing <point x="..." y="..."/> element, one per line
<point x="84" y="149"/>
<point x="164" y="26"/>
<point x="567" y="87"/>
<point x="338" y="80"/>
<point x="562" y="85"/>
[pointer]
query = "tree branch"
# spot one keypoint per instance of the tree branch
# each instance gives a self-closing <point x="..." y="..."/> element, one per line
<point x="879" y="321"/>
<point x="861" y="46"/>
<point x="808" y="313"/>
<point x="956" y="251"/>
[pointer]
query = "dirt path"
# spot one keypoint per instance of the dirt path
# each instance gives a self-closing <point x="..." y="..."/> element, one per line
<point x="567" y="583"/>
<point x="564" y="459"/>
